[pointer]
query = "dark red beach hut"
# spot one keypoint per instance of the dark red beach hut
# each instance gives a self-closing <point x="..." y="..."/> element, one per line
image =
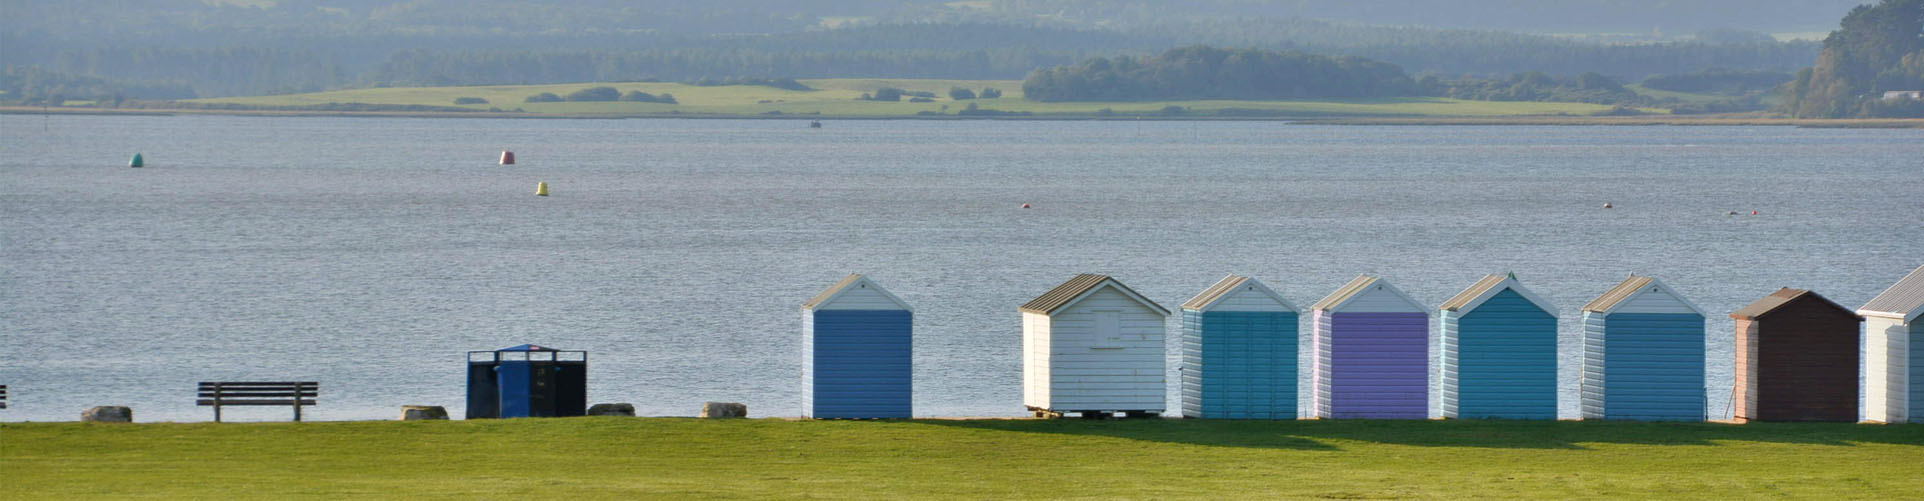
<point x="1796" y="359"/>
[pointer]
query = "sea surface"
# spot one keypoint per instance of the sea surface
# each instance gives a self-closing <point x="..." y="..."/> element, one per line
<point x="371" y="253"/>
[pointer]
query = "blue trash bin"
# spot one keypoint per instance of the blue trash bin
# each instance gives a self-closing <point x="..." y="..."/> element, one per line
<point x="527" y="381"/>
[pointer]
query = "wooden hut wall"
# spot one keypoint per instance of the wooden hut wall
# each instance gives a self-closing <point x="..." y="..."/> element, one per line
<point x="1500" y="360"/>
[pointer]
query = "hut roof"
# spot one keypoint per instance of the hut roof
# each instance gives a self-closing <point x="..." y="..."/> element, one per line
<point x="1489" y="287"/>
<point x="850" y="282"/>
<point x="1904" y="299"/>
<point x="1777" y="300"/>
<point x="1357" y="287"/>
<point x="1228" y="285"/>
<point x="1077" y="288"/>
<point x="1630" y="288"/>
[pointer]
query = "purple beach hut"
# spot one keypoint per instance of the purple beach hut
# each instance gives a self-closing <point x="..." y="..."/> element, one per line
<point x="1372" y="353"/>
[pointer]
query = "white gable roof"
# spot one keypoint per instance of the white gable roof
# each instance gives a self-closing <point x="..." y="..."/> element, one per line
<point x="849" y="293"/>
<point x="1905" y="299"/>
<point x="1081" y="287"/>
<point x="1243" y="290"/>
<point x="1639" y="291"/>
<point x="1489" y="287"/>
<point x="1370" y="293"/>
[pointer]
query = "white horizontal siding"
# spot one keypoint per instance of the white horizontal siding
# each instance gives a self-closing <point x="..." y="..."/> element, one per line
<point x="1244" y="299"/>
<point x="1887" y="370"/>
<point x="1591" y="386"/>
<point x="1379" y="299"/>
<point x="1320" y="344"/>
<point x="1035" y="360"/>
<point x="1445" y="374"/>
<point x="860" y="296"/>
<point x="1654" y="301"/>
<point x="1103" y="371"/>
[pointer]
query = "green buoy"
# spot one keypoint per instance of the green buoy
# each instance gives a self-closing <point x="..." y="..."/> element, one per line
<point x="136" y="162"/>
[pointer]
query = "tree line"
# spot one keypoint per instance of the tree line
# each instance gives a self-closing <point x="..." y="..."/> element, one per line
<point x="1877" y="49"/>
<point x="1214" y="73"/>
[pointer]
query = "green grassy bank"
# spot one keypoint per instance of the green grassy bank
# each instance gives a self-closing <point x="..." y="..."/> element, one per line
<point x="625" y="457"/>
<point x="837" y="98"/>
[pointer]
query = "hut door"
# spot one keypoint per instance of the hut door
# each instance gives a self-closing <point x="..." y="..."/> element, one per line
<point x="1108" y="335"/>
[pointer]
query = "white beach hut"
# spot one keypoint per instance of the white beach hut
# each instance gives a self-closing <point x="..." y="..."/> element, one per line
<point x="1094" y="347"/>
<point x="1893" y="347"/>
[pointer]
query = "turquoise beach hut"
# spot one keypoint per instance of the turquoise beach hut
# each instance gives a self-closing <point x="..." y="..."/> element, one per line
<point x="1499" y="352"/>
<point x="1643" y="354"/>
<point x="1239" y="352"/>
<point x="856" y="352"/>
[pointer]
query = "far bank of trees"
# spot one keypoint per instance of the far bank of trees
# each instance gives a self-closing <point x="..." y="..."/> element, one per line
<point x="1213" y="73"/>
<point x="1878" y="49"/>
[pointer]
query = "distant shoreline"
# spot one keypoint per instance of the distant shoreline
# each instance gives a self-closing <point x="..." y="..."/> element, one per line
<point x="1526" y="120"/>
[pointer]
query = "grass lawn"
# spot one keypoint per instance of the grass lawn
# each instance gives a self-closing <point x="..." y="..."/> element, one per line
<point x="666" y="457"/>
<point x="837" y="98"/>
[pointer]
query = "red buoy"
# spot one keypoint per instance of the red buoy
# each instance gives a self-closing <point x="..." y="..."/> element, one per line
<point x="1025" y="206"/>
<point x="1753" y="213"/>
<point x="507" y="157"/>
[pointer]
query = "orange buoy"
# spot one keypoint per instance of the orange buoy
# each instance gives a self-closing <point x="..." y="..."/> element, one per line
<point x="507" y="157"/>
<point x="1025" y="206"/>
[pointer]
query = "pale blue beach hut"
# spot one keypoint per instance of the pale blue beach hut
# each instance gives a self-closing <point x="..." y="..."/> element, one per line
<point x="856" y="352"/>
<point x="1894" y="352"/>
<point x="1499" y="343"/>
<point x="1643" y="354"/>
<point x="1239" y="352"/>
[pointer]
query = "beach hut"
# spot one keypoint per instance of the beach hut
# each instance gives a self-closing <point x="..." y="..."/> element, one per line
<point x="1093" y="346"/>
<point x="1796" y="359"/>
<point x="1239" y="352"/>
<point x="856" y="352"/>
<point x="1499" y="345"/>
<point x="1370" y="353"/>
<point x="1893" y="350"/>
<point x="1643" y="354"/>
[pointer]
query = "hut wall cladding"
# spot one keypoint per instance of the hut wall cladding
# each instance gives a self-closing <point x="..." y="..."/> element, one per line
<point x="1500" y="360"/>
<point x="1798" y="362"/>
<point x="1889" y="381"/>
<point x="1371" y="355"/>
<point x="1375" y="365"/>
<point x="1917" y="374"/>
<point x="1239" y="358"/>
<point x="857" y="349"/>
<point x="1643" y="360"/>
<point x="1104" y="353"/>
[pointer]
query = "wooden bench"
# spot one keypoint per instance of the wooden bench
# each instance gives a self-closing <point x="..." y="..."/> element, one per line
<point x="3" y="396"/>
<point x="256" y="393"/>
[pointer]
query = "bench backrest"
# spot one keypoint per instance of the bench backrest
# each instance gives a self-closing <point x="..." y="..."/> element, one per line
<point x="3" y="396"/>
<point x="242" y="392"/>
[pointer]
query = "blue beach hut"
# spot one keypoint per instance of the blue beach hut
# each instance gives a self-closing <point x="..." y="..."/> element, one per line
<point x="856" y="352"/>
<point x="1239" y="352"/>
<point x="1499" y="345"/>
<point x="1643" y="354"/>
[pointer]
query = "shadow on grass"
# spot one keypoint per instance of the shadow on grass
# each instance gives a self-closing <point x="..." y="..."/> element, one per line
<point x="1491" y="434"/>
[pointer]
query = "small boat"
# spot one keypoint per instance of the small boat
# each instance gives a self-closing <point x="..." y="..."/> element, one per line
<point x="814" y="124"/>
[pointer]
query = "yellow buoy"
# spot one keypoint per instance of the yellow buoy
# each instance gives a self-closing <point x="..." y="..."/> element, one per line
<point x="541" y="189"/>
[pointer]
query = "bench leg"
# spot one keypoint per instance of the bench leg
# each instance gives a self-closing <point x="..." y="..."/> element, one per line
<point x="216" y="412"/>
<point x="297" y="409"/>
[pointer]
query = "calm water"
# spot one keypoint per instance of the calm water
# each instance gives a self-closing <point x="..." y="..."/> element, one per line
<point x="371" y="253"/>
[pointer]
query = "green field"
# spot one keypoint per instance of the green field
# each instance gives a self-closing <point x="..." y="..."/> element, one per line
<point x="987" y="459"/>
<point x="837" y="98"/>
